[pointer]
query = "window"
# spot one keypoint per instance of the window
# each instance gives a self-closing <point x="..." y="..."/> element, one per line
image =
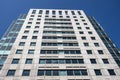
<point x="83" y="38"/>
<point x="105" y="61"/>
<point x="24" y="37"/>
<point x="28" y="26"/>
<point x="86" y="44"/>
<point x="34" y="11"/>
<point x="26" y="73"/>
<point x="62" y="73"/>
<point x="89" y="51"/>
<point x="66" y="12"/>
<point x="79" y="27"/>
<point x="29" y="22"/>
<point x="100" y="52"/>
<point x="37" y="22"/>
<point x="47" y="12"/>
<point x="76" y="19"/>
<point x="40" y="73"/>
<point x="77" y="23"/>
<point x="15" y="61"/>
<point x="81" y="32"/>
<point x="48" y="73"/>
<point x="36" y="26"/>
<point x="73" y="13"/>
<point x="34" y="37"/>
<point x="69" y="72"/>
<point x="32" y="16"/>
<point x="28" y="61"/>
<point x="53" y="12"/>
<point x="97" y="72"/>
<point x="89" y="32"/>
<point x="87" y="27"/>
<point x="85" y="23"/>
<point x="31" y="51"/>
<point x="83" y="20"/>
<point x="81" y="17"/>
<point x="33" y="44"/>
<point x="40" y="12"/>
<point x="38" y="19"/>
<point x="93" y="38"/>
<point x="26" y="31"/>
<point x="19" y="51"/>
<point x="79" y="12"/>
<point x="35" y="32"/>
<point x="11" y="72"/>
<point x="22" y="44"/>
<point x="60" y="12"/>
<point x="111" y="72"/>
<point x="96" y="44"/>
<point x="84" y="72"/>
<point x="93" y="61"/>
<point x="55" y="73"/>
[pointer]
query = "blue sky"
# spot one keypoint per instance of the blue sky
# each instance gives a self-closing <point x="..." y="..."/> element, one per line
<point x="107" y="12"/>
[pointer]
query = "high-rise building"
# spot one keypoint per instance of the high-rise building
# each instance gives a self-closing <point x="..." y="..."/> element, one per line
<point x="55" y="44"/>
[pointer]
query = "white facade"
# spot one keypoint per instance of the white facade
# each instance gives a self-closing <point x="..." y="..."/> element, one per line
<point x="67" y="36"/>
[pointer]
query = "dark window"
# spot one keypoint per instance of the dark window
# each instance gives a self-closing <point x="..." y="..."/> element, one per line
<point x="90" y="32"/>
<point x="69" y="72"/>
<point x="26" y="31"/>
<point x="83" y="38"/>
<point x="40" y="73"/>
<point x="85" y="23"/>
<point x="40" y="12"/>
<point x="87" y="27"/>
<point x="11" y="72"/>
<point x="93" y="61"/>
<point x="19" y="51"/>
<point x="55" y="73"/>
<point x="48" y="73"/>
<point x="53" y="12"/>
<point x="35" y="32"/>
<point x="97" y="71"/>
<point x="31" y="51"/>
<point x="15" y="61"/>
<point x="79" y="12"/>
<point x="34" y="37"/>
<point x="28" y="26"/>
<point x="105" y="61"/>
<point x="77" y="72"/>
<point x="100" y="51"/>
<point x="60" y="12"/>
<point x="34" y="11"/>
<point x="86" y="44"/>
<point x="84" y="72"/>
<point x="22" y="44"/>
<point x="96" y="44"/>
<point x="81" y="32"/>
<point x="33" y="44"/>
<point x="93" y="38"/>
<point x="80" y="61"/>
<point x="111" y="71"/>
<point x="89" y="51"/>
<point x="28" y="61"/>
<point x="29" y="22"/>
<point x="47" y="12"/>
<point x="73" y="13"/>
<point x="36" y="26"/>
<point x="66" y="12"/>
<point x="79" y="27"/>
<point x="24" y="37"/>
<point x="26" y="73"/>
<point x="37" y="22"/>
